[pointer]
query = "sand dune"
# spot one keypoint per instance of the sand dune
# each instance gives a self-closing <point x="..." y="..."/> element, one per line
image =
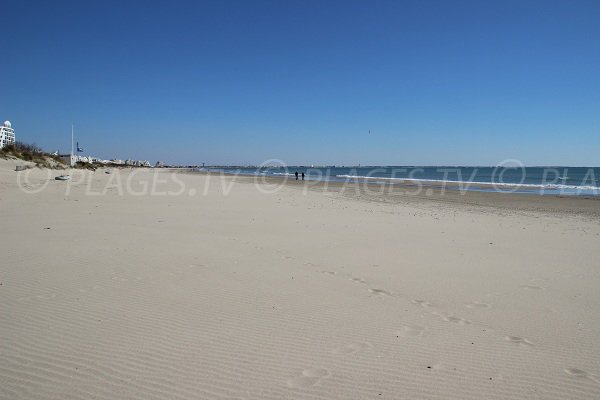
<point x="294" y="294"/>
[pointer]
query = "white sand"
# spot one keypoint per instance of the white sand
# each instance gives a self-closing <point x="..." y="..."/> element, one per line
<point x="296" y="294"/>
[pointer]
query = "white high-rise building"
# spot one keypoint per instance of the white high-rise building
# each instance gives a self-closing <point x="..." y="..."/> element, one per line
<point x="7" y="134"/>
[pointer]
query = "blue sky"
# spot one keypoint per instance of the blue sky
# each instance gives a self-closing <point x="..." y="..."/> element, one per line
<point x="436" y="82"/>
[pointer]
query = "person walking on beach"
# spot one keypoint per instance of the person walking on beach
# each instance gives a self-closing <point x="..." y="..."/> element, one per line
<point x="303" y="176"/>
<point x="296" y="175"/>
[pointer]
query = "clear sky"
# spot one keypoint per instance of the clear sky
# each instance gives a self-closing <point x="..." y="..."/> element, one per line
<point x="436" y="82"/>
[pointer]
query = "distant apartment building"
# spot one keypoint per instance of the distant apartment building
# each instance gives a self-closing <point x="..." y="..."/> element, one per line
<point x="138" y="163"/>
<point x="7" y="134"/>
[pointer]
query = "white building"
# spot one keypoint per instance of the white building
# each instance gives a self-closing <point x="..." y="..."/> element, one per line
<point x="68" y="159"/>
<point x="7" y="134"/>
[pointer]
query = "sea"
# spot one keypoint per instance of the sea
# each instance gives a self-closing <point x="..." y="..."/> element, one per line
<point x="572" y="181"/>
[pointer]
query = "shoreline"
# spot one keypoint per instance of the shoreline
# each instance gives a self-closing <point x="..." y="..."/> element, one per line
<point x="585" y="206"/>
<point x="587" y="187"/>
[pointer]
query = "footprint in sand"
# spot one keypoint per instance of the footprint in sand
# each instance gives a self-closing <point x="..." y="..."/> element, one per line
<point x="329" y="272"/>
<point x="453" y="319"/>
<point x="519" y="340"/>
<point x="309" y="377"/>
<point x="477" y="304"/>
<point x="422" y="303"/>
<point x="53" y="295"/>
<point x="351" y="348"/>
<point x="579" y="373"/>
<point x="533" y="287"/>
<point x="410" y="331"/>
<point x="457" y="320"/>
<point x="380" y="291"/>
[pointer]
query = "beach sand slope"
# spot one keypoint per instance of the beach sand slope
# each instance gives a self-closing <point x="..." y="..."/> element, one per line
<point x="213" y="288"/>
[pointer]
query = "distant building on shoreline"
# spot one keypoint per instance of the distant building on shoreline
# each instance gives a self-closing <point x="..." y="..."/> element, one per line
<point x="137" y="163"/>
<point x="73" y="159"/>
<point x="7" y="134"/>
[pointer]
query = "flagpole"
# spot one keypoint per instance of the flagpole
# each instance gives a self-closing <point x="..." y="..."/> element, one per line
<point x="71" y="145"/>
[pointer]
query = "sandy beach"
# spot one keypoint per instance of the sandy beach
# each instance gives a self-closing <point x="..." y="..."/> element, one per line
<point x="147" y="284"/>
